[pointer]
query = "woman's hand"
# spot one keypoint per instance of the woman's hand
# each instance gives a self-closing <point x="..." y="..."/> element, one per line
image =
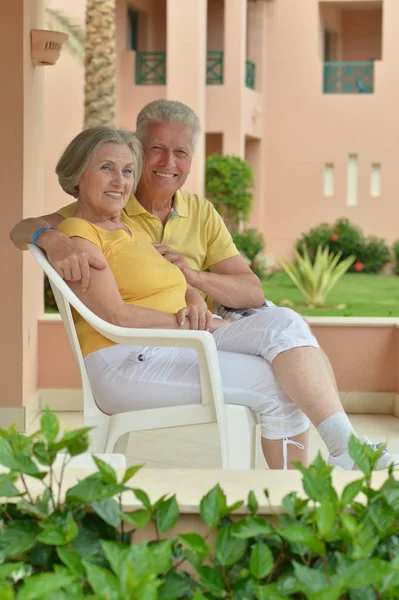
<point x="198" y="316"/>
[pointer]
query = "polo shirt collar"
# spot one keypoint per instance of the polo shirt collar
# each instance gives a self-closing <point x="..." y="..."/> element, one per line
<point x="180" y="208"/>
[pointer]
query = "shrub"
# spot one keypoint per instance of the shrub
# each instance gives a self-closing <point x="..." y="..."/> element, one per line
<point x="50" y="304"/>
<point x="251" y="244"/>
<point x="375" y="254"/>
<point x="396" y="256"/>
<point x="228" y="181"/>
<point x="371" y="254"/>
<point x="327" y="545"/>
<point x="315" y="279"/>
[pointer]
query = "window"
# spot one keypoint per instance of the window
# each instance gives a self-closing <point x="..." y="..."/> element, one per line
<point x="328" y="180"/>
<point x="351" y="190"/>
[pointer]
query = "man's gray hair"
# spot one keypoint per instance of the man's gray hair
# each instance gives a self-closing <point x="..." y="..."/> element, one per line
<point x="79" y="152"/>
<point x="167" y="110"/>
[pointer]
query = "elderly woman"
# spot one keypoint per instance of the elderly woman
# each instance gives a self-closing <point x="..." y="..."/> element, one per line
<point x="138" y="288"/>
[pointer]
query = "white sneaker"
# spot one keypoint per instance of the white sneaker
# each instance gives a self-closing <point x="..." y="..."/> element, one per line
<point x="346" y="462"/>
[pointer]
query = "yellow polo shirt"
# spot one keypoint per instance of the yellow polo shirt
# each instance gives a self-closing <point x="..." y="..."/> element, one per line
<point x="143" y="276"/>
<point x="194" y="228"/>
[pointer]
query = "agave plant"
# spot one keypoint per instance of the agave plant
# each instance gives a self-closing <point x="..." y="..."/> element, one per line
<point x="316" y="279"/>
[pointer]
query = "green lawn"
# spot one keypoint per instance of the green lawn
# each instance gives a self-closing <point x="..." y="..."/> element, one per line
<point x="364" y="296"/>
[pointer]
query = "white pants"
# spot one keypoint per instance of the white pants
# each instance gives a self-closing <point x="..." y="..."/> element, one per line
<point x="125" y="378"/>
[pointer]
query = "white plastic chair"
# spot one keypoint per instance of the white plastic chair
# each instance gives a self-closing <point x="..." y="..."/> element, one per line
<point x="236" y="424"/>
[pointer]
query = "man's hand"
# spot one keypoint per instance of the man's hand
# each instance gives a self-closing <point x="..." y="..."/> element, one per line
<point x="199" y="317"/>
<point x="178" y="259"/>
<point x="69" y="261"/>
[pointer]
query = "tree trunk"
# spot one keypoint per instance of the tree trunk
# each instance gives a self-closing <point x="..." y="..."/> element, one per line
<point x="100" y="63"/>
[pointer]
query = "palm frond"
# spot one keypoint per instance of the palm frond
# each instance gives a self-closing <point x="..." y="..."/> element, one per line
<point x="76" y="40"/>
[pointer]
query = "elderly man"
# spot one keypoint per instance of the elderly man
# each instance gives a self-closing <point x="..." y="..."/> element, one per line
<point x="187" y="231"/>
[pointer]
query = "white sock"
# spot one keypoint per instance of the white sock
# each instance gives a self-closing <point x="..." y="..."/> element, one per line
<point x="335" y="432"/>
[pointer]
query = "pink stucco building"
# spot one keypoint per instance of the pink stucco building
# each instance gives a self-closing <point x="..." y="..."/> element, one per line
<point x="304" y="90"/>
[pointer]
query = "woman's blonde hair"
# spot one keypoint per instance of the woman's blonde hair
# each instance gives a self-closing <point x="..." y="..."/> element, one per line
<point x="79" y="152"/>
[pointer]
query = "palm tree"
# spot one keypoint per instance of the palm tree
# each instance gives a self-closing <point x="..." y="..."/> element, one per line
<point x="75" y="45"/>
<point x="100" y="63"/>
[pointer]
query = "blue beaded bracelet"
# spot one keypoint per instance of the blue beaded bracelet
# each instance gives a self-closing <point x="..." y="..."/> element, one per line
<point x="38" y="232"/>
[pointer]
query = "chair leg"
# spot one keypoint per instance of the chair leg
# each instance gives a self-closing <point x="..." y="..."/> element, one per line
<point x="121" y="444"/>
<point x="241" y="437"/>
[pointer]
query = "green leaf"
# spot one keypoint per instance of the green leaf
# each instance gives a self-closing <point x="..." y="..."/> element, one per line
<point x="311" y="579"/>
<point x="302" y="535"/>
<point x="6" y="591"/>
<point x="115" y="554"/>
<point x="130" y="472"/>
<point x="251" y="527"/>
<point x="175" y="586"/>
<point x="364" y="572"/>
<point x="42" y="454"/>
<point x="102" y="581"/>
<point x="76" y="442"/>
<point x="382" y="515"/>
<point x="18" y="537"/>
<point x="325" y="517"/>
<point x="143" y="498"/>
<point x="268" y="592"/>
<point x="333" y="592"/>
<point x="358" y="452"/>
<point x="211" y="580"/>
<point x="209" y="507"/>
<point x="7" y="487"/>
<point x="195" y="542"/>
<point x="252" y="503"/>
<point x="49" y="425"/>
<point x="91" y="489"/>
<point x="71" y="560"/>
<point x="229" y="549"/>
<point x="106" y="470"/>
<point x="109" y="510"/>
<point x="138" y="518"/>
<point x="58" y="531"/>
<point x="167" y="513"/>
<point x="161" y="557"/>
<point x="261" y="561"/>
<point x="7" y="457"/>
<point x="7" y="568"/>
<point x="36" y="586"/>
<point x="351" y="491"/>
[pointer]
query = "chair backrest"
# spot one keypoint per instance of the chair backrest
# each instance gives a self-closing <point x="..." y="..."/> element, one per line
<point x="65" y="298"/>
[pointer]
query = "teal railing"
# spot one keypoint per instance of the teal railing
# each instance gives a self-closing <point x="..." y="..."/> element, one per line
<point x="348" y="77"/>
<point x="250" y="69"/>
<point x="214" y="67"/>
<point x="150" y="68"/>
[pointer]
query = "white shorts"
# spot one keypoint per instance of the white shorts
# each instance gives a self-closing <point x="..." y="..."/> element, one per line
<point x="125" y="378"/>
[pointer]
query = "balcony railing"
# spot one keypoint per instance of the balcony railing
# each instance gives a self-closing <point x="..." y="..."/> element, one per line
<point x="214" y="67"/>
<point x="348" y="78"/>
<point x="150" y="68"/>
<point x="250" y="68"/>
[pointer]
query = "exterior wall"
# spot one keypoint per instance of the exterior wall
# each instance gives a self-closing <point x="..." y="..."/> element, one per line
<point x="304" y="129"/>
<point x="364" y="358"/>
<point x="63" y="107"/>
<point x="22" y="176"/>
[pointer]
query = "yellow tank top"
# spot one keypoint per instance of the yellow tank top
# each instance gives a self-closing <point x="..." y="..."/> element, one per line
<point x="142" y="275"/>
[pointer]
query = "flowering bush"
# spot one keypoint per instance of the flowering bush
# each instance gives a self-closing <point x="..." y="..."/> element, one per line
<point x="371" y="253"/>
